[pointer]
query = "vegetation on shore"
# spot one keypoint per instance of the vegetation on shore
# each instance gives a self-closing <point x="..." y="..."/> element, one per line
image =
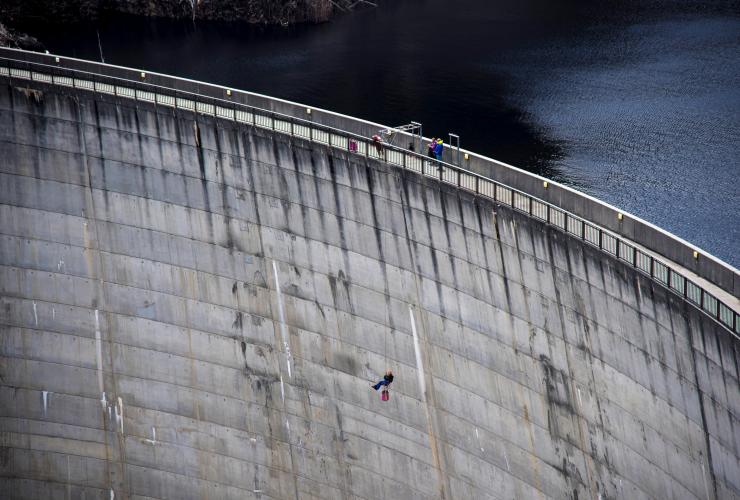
<point x="18" y="16"/>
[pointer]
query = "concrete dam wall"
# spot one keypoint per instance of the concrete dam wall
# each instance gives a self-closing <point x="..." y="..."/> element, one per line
<point x="195" y="309"/>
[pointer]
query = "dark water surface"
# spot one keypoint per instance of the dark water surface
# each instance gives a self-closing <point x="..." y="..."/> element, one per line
<point x="635" y="102"/>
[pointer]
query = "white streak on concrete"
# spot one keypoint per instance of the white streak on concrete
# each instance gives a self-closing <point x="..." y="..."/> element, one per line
<point x="119" y="414"/>
<point x="45" y="398"/>
<point x="153" y="440"/>
<point x="506" y="457"/>
<point x="60" y="265"/>
<point x="281" y="312"/>
<point x="477" y="436"/>
<point x="69" y="481"/>
<point x="704" y="477"/>
<point x="580" y="401"/>
<point x="53" y="313"/>
<point x="103" y="400"/>
<point x="112" y="495"/>
<point x="282" y="389"/>
<point x="417" y="352"/>
<point x="99" y="351"/>
<point x="35" y="314"/>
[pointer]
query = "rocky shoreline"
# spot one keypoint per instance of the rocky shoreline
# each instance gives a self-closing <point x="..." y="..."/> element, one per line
<point x="11" y="38"/>
<point x="18" y="16"/>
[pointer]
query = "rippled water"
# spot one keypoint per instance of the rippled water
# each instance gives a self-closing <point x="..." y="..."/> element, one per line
<point x="635" y="102"/>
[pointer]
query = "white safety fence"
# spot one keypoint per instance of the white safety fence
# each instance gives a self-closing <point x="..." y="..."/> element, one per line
<point x="599" y="237"/>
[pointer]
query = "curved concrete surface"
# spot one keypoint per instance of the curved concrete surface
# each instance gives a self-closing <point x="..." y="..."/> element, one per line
<point x="196" y="309"/>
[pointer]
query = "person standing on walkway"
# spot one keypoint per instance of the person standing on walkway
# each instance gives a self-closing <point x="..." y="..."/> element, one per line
<point x="431" y="147"/>
<point x="378" y="143"/>
<point x="438" y="148"/>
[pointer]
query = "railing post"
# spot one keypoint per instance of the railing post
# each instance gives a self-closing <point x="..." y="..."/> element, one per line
<point x="547" y="208"/>
<point x="617" y="247"/>
<point x="601" y="239"/>
<point x="530" y="205"/>
<point x="477" y="185"/>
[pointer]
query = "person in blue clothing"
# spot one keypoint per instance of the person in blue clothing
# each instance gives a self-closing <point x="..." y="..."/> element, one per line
<point x="387" y="379"/>
<point x="438" y="148"/>
<point x="431" y="147"/>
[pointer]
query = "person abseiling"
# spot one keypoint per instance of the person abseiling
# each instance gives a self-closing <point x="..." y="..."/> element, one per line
<point x="387" y="379"/>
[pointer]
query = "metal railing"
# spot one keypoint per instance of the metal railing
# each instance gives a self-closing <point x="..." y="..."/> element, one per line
<point x="610" y="243"/>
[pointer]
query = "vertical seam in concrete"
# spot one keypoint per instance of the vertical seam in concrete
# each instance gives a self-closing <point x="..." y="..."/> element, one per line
<point x="587" y="337"/>
<point x="283" y="329"/>
<point x="249" y="182"/>
<point x="528" y="319"/>
<point x="587" y="456"/>
<point x="438" y="458"/>
<point x="100" y="294"/>
<point x="700" y="397"/>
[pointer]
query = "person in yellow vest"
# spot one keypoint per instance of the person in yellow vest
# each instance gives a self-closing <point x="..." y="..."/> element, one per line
<point x="438" y="148"/>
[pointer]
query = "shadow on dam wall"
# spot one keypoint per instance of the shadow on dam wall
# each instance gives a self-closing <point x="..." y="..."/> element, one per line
<point x="193" y="309"/>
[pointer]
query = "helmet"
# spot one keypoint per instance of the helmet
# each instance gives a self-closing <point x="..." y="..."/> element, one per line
<point x="439" y="141"/>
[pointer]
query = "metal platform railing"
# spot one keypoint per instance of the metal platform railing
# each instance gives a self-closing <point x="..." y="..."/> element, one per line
<point x="616" y="246"/>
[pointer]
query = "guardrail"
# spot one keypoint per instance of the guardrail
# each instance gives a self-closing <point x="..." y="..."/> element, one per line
<point x="599" y="237"/>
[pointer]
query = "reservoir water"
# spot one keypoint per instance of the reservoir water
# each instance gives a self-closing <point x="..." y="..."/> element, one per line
<point x="635" y="102"/>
